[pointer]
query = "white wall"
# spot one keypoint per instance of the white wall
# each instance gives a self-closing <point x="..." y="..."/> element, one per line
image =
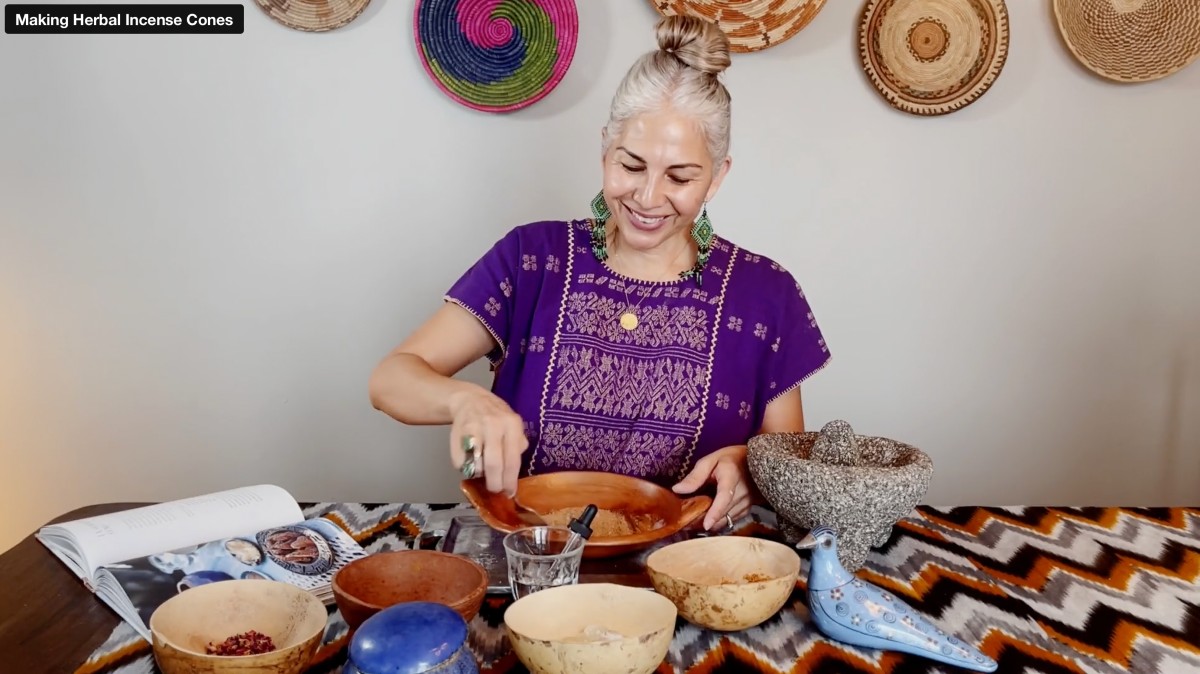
<point x="207" y="242"/>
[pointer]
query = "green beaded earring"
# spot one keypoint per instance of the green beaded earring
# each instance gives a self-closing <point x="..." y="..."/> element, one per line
<point x="600" y="215"/>
<point x="702" y="234"/>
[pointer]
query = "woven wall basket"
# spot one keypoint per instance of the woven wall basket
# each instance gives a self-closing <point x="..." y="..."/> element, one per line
<point x="932" y="57"/>
<point x="313" y="16"/>
<point x="496" y="55"/>
<point x="1131" y="40"/>
<point x="750" y="25"/>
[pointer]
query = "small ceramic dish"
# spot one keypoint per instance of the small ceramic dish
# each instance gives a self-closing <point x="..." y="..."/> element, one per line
<point x="725" y="583"/>
<point x="184" y="625"/>
<point x="368" y="585"/>
<point x="633" y="513"/>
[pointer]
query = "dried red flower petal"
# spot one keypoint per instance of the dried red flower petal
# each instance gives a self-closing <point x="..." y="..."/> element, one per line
<point x="246" y="643"/>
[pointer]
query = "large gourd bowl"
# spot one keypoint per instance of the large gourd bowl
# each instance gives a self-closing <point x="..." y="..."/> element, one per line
<point x="592" y="628"/>
<point x="655" y="511"/>
<point x="185" y="624"/>
<point x="859" y="485"/>
<point x="725" y="583"/>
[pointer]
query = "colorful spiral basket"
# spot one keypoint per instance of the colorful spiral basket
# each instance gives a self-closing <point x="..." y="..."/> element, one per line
<point x="496" y="55"/>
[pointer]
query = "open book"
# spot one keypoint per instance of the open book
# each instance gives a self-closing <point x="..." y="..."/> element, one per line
<point x="137" y="559"/>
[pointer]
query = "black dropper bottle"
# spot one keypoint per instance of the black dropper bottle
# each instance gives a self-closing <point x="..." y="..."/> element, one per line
<point x="581" y="527"/>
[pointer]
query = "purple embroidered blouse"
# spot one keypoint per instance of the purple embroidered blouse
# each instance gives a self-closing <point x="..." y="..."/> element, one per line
<point x="694" y="376"/>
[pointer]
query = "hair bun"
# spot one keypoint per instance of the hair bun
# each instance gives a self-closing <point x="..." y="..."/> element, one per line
<point x="695" y="42"/>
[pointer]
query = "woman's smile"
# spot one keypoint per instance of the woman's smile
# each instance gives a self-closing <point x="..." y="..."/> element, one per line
<point x="644" y="221"/>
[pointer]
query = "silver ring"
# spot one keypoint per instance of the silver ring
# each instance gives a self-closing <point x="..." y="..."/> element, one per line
<point x="468" y="447"/>
<point x="729" y="519"/>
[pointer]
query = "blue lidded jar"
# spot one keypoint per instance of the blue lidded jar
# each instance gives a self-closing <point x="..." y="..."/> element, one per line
<point x="416" y="637"/>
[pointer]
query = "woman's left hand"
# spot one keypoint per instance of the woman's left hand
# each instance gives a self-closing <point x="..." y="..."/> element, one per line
<point x="726" y="467"/>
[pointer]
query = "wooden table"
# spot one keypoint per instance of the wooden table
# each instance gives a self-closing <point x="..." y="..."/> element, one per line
<point x="49" y="622"/>
<point x="1040" y="589"/>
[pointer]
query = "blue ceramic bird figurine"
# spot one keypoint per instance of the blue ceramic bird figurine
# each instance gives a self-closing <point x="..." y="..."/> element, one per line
<point x="853" y="611"/>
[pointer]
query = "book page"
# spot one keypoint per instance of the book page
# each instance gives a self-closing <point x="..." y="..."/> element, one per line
<point x="176" y="524"/>
<point x="305" y="555"/>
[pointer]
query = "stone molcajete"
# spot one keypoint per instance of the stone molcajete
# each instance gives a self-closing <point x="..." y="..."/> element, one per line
<point x="860" y="485"/>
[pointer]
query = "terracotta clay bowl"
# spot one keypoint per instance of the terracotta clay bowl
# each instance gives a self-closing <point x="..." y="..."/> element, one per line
<point x="634" y="513"/>
<point x="368" y="585"/>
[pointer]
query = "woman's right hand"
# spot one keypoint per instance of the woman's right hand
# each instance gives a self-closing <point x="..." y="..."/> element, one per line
<point x="498" y="434"/>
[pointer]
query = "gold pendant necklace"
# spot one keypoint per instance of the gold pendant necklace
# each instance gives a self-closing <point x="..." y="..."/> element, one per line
<point x="629" y="319"/>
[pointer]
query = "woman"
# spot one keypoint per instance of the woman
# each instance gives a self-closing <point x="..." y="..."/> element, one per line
<point x="636" y="342"/>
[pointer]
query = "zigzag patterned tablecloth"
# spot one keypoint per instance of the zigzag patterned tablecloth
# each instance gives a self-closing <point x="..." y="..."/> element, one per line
<point x="1045" y="590"/>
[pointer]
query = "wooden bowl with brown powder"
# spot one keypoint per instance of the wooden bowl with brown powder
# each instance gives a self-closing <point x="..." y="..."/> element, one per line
<point x="632" y="514"/>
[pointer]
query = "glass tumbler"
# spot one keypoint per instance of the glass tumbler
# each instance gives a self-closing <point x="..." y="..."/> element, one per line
<point x="536" y="559"/>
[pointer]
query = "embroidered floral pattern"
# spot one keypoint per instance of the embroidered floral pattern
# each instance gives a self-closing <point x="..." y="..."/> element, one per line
<point x="492" y="306"/>
<point x="529" y="262"/>
<point x="537" y="343"/>
<point x="591" y="381"/>
<point x="722" y="401"/>
<point x="744" y="410"/>
<point x="775" y="345"/>
<point x="735" y="323"/>
<point x="595" y="315"/>
<point x="626" y="451"/>
<point x="760" y="331"/>
<point x="629" y="401"/>
<point x="506" y="287"/>
<point x="552" y="263"/>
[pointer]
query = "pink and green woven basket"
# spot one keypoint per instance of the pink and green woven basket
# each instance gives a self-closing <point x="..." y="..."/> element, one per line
<point x="496" y="55"/>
